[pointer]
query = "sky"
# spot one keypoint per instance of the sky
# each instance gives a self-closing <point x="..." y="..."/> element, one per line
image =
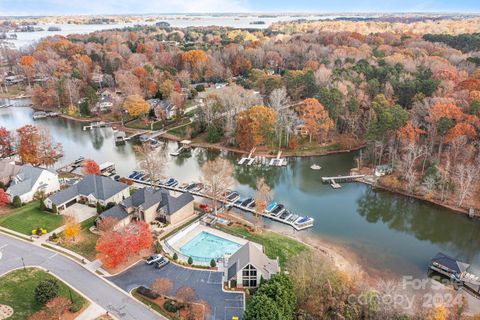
<point x="70" y="7"/>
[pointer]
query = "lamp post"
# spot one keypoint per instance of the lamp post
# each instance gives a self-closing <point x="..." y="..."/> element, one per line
<point x="23" y="262"/>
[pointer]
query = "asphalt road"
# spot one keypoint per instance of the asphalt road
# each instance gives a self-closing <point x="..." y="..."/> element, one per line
<point x="207" y="285"/>
<point x="95" y="288"/>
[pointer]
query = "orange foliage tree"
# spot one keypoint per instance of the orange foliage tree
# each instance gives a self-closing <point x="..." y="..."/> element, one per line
<point x="28" y="138"/>
<point x="316" y="119"/>
<point x="461" y="129"/>
<point x="255" y="126"/>
<point x="195" y="60"/>
<point x="136" y="106"/>
<point x="6" y="147"/>
<point x="115" y="246"/>
<point x="91" y="167"/>
<point x="27" y="64"/>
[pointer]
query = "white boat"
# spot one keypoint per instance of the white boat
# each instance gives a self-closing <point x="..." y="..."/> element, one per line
<point x="315" y="167"/>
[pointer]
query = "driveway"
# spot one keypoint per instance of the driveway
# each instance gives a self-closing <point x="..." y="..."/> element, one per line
<point x="89" y="284"/>
<point x="207" y="285"/>
<point x="80" y="211"/>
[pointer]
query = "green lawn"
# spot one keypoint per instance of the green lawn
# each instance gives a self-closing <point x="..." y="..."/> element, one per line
<point x="86" y="242"/>
<point x="18" y="291"/>
<point x="29" y="217"/>
<point x="276" y="245"/>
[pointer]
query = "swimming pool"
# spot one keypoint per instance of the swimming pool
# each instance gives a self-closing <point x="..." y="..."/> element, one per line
<point x="206" y="246"/>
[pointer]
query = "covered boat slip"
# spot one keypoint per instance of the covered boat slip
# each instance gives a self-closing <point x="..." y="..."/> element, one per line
<point x="457" y="271"/>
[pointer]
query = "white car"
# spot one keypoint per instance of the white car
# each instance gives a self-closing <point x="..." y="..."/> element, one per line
<point x="154" y="258"/>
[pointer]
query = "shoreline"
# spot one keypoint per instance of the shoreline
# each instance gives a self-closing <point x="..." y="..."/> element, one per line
<point x="404" y="193"/>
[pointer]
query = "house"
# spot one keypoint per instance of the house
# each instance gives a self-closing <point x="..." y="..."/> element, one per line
<point x="163" y="108"/>
<point x="31" y="180"/>
<point x="8" y="169"/>
<point x="248" y="265"/>
<point x="91" y="189"/>
<point x="149" y="205"/>
<point x="383" y="170"/>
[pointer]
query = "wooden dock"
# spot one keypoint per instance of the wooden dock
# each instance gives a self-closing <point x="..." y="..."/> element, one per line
<point x="99" y="124"/>
<point x="334" y="181"/>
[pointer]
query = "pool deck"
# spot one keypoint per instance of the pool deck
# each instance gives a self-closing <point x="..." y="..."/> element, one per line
<point x="181" y="238"/>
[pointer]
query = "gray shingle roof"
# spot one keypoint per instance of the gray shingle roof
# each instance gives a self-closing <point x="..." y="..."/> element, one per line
<point x="172" y="204"/>
<point x="24" y="181"/>
<point x="8" y="169"/>
<point x="146" y="197"/>
<point x="249" y="253"/>
<point x="101" y="187"/>
<point x="117" y="212"/>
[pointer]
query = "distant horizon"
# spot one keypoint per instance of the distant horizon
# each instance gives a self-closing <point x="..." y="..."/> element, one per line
<point x="42" y="8"/>
<point x="253" y="13"/>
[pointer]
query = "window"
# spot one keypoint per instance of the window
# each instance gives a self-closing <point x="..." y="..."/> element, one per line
<point x="249" y="276"/>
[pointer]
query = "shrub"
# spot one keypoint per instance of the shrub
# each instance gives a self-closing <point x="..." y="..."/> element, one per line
<point x="175" y="256"/>
<point x="149" y="293"/>
<point x="233" y="283"/>
<point x="16" y="202"/>
<point x="46" y="290"/>
<point x="41" y="205"/>
<point x="100" y="208"/>
<point x="54" y="208"/>
<point x="200" y="88"/>
<point x="2" y="185"/>
<point x="171" y="306"/>
<point x="213" y="264"/>
<point x="76" y="306"/>
<point x="158" y="247"/>
<point x="190" y="260"/>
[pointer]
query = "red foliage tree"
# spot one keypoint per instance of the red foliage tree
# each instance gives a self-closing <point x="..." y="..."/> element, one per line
<point x="91" y="167"/>
<point x="5" y="142"/>
<point x="4" y="198"/>
<point x="115" y="246"/>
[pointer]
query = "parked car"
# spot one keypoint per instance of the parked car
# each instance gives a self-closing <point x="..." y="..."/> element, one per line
<point x="161" y="263"/>
<point x="154" y="258"/>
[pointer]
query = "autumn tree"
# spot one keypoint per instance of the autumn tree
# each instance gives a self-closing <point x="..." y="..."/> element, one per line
<point x="72" y="227"/>
<point x="4" y="198"/>
<point x="195" y="61"/>
<point x="114" y="247"/>
<point x="263" y="197"/>
<point x="48" y="152"/>
<point x="28" y="139"/>
<point x="218" y="175"/>
<point x="107" y="224"/>
<point x="91" y="167"/>
<point x="27" y="63"/>
<point x="162" y="286"/>
<point x="136" y="106"/>
<point x="152" y="161"/>
<point x="6" y="145"/>
<point x="316" y="119"/>
<point x="255" y="126"/>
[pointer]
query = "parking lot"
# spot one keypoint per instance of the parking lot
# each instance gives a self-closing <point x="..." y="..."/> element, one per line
<point x="207" y="285"/>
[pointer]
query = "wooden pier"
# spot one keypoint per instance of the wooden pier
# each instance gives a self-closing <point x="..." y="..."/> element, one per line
<point x="185" y="146"/>
<point x="99" y="124"/>
<point x="334" y="181"/>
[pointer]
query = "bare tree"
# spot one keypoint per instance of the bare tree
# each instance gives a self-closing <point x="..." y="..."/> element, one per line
<point x="263" y="197"/>
<point x="412" y="153"/>
<point x="162" y="286"/>
<point x="218" y="175"/>
<point x="152" y="161"/>
<point x="279" y="100"/>
<point x="466" y="177"/>
<point x="186" y="294"/>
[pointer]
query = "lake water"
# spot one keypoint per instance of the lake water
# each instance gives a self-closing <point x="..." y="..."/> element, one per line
<point x="389" y="233"/>
<point x="177" y="21"/>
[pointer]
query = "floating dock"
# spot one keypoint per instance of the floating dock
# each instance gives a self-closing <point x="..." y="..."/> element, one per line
<point x="98" y="124"/>
<point x="292" y="220"/>
<point x="185" y="146"/>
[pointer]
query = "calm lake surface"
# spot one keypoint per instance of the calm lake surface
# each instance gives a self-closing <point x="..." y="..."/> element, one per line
<point x="176" y="21"/>
<point x="389" y="233"/>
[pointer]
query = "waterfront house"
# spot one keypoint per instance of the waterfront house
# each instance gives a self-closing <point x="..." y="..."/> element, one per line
<point x="30" y="181"/>
<point x="91" y="189"/>
<point x="8" y="169"/>
<point x="383" y="170"/>
<point x="248" y="265"/>
<point x="149" y="205"/>
<point x="163" y="108"/>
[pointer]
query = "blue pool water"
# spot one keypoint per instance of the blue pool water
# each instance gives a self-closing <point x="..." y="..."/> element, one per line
<point x="207" y="246"/>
